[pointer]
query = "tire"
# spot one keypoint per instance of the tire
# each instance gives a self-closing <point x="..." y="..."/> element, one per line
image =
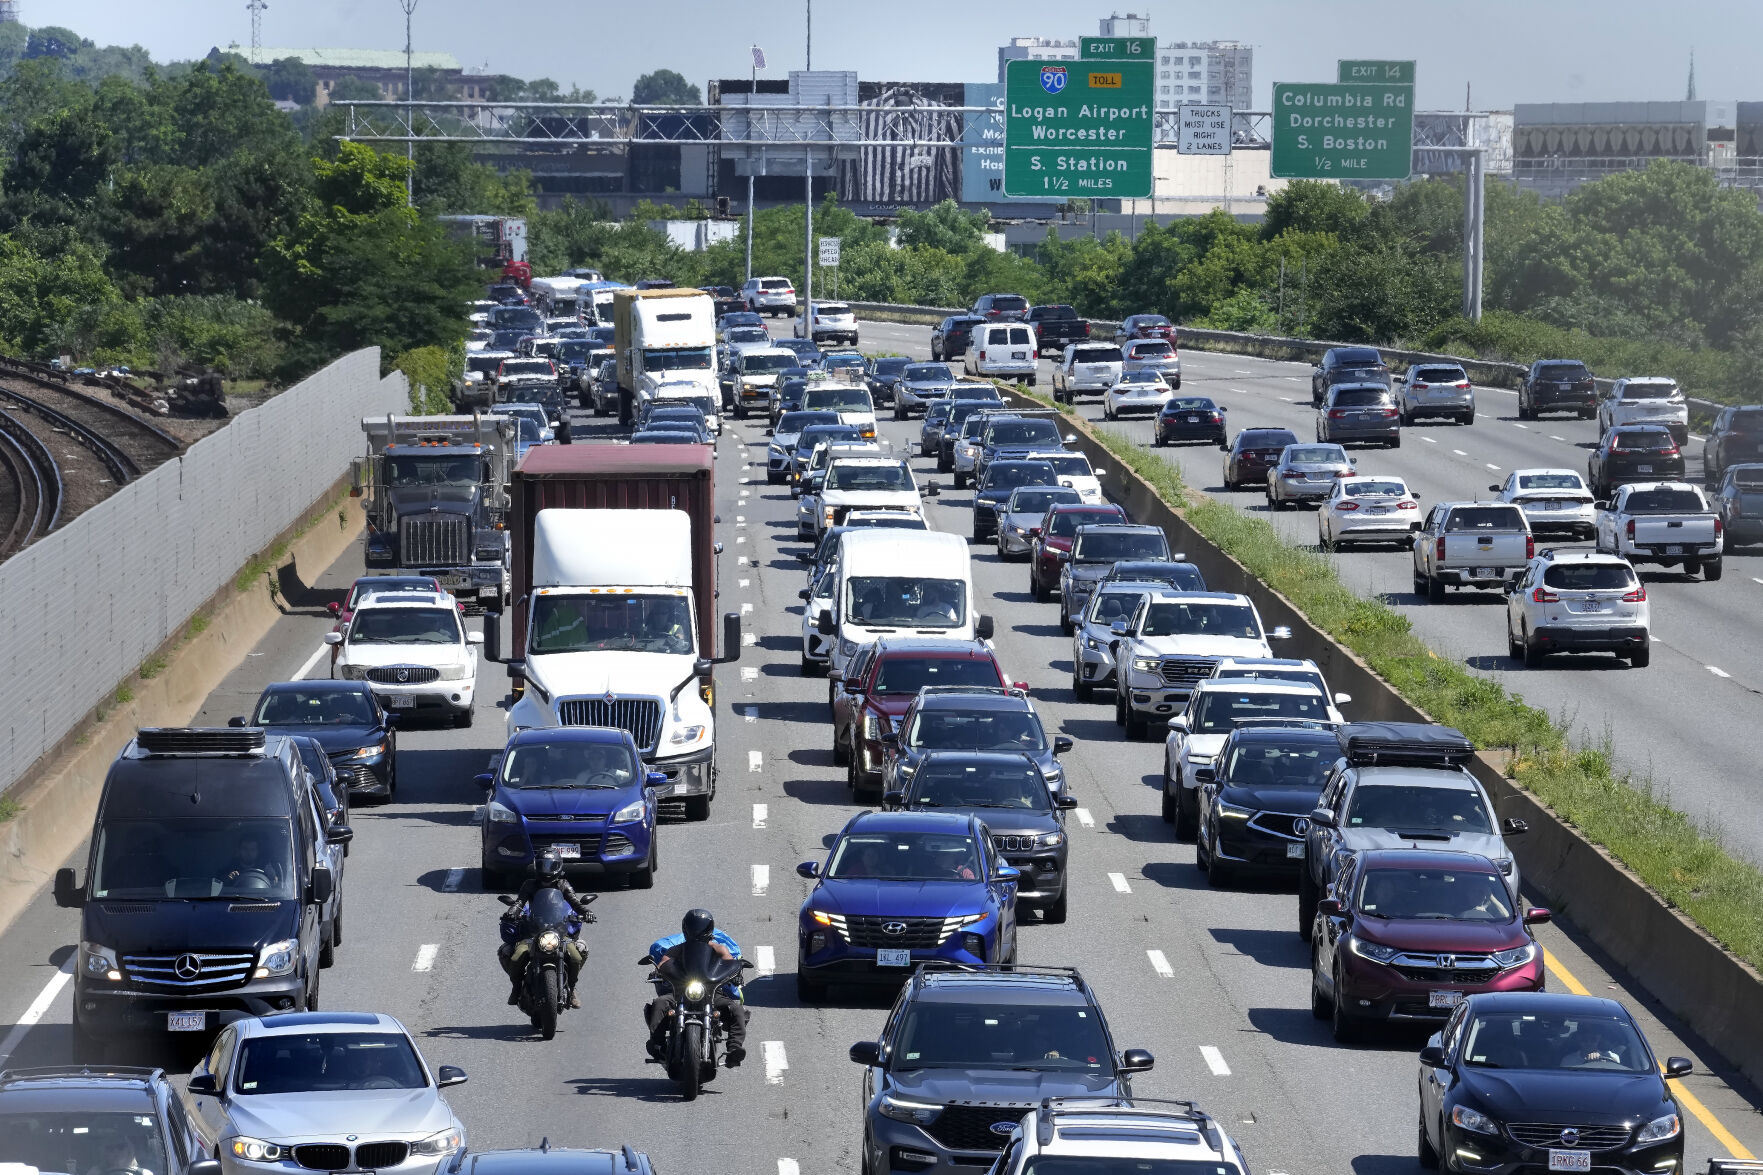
<point x="1169" y="804"/>
<point x="337" y="927"/>
<point x="1641" y="657"/>
<point x="697" y="809"/>
<point x="960" y="478"/>
<point x="1065" y="624"/>
<point x="1187" y="814"/>
<point x="1424" y="1152"/>
<point x="1435" y="590"/>
<point x="1533" y="656"/>
<point x="899" y="412"/>
<point x="1157" y="440"/>
<point x="327" y="950"/>
<point x="1081" y="690"/>
<point x="808" y="991"/>
<point x="1321" y="1007"/>
<point x="1218" y="874"/>
<point x="810" y="668"/>
<point x="773" y="478"/>
<point x="1395" y="442"/>
<point x="312" y="994"/>
<point x="87" y="1049"/>
<point x="1038" y="590"/>
<point x="1055" y="913"/>
<point x="546" y="1013"/>
<point x="1712" y="569"/>
<point x="1348" y="1028"/>
<point x="1137" y="727"/>
<point x="644" y="878"/>
<point x="841" y="753"/>
<point x="462" y="719"/>
<point x="691" y="1045"/>
<point x="740" y="411"/>
<point x="1514" y="649"/>
<point x="1119" y="709"/>
<point x="1307" y="897"/>
<point x="1524" y="412"/>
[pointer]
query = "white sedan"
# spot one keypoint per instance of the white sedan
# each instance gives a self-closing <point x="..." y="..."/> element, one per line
<point x="1134" y="391"/>
<point x="1556" y="502"/>
<point x="1367" y="509"/>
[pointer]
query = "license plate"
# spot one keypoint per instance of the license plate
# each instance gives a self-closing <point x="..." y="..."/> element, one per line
<point x="1443" y="999"/>
<point x="403" y="701"/>
<point x="1570" y="1160"/>
<point x="186" y="1021"/>
<point x="1594" y="606"/>
<point x="1484" y="573"/>
<point x="1193" y="420"/>
<point x="1674" y="549"/>
<point x="1295" y="850"/>
<point x="1019" y="354"/>
<point x="568" y="852"/>
<point x="1637" y="469"/>
<point x="1554" y="505"/>
<point x="894" y="957"/>
<point x="1380" y="509"/>
<point x="682" y="789"/>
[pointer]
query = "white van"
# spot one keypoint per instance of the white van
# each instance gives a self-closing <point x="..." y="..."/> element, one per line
<point x="901" y="583"/>
<point x="1007" y="349"/>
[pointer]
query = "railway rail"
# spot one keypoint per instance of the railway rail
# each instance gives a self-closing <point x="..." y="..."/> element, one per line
<point x="32" y="489"/>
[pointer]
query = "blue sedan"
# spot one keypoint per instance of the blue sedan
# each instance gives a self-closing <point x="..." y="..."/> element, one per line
<point x="900" y="889"/>
<point x="582" y="791"/>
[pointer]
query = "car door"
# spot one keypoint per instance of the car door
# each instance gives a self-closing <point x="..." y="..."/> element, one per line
<point x="1334" y="927"/>
<point x="1518" y="596"/>
<point x="207" y="1112"/>
<point x="1004" y="892"/>
<point x="1436" y="1079"/>
<point x="848" y="693"/>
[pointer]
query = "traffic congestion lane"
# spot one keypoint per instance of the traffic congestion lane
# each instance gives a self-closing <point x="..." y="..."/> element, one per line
<point x="1682" y="723"/>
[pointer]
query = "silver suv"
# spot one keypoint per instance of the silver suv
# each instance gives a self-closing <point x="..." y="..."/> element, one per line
<point x="1135" y="1134"/>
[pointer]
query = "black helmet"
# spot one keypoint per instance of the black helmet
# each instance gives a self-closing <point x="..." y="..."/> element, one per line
<point x="697" y="925"/>
<point x="549" y="866"/>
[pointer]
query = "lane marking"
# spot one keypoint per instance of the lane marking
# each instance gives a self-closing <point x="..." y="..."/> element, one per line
<point x="1084" y="818"/>
<point x="745" y="480"/>
<point x="425" y="957"/>
<point x="765" y="961"/>
<point x="775" y="1064"/>
<point x="1118" y="880"/>
<point x="1552" y="437"/>
<point x="755" y="761"/>
<point x="1515" y="424"/>
<point x="454" y="877"/>
<point x="740" y="538"/>
<point x="741" y="561"/>
<point x="300" y="675"/>
<point x="1214" y="1061"/>
<point x="1429" y="440"/>
<point x="740" y="520"/>
<point x="760" y="812"/>
<point x="1754" y="579"/>
<point x="746" y="608"/>
<point x="761" y="880"/>
<point x="1717" y="671"/>
<point x="1160" y="965"/>
<point x="1460" y="452"/>
<point x="1491" y="466"/>
<point x="1685" y="1098"/>
<point x="745" y="583"/>
<point x="749" y="673"/>
<point x="788" y="1167"/>
<point x="749" y="638"/>
<point x="38" y="1008"/>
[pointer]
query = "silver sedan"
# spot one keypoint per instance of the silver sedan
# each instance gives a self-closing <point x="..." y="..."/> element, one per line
<point x="1305" y="473"/>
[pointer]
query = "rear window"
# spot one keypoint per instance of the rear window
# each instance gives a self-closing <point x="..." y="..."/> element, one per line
<point x="1649" y="391"/>
<point x="1748" y="421"/>
<point x="1665" y="501"/>
<point x="909" y="674"/>
<point x="1485" y="518"/>
<point x="1267" y="438"/>
<point x="1142" y="320"/>
<point x="773" y="283"/>
<point x="1356" y="357"/>
<point x="1066" y="522"/>
<point x="1151" y="349"/>
<point x="1019" y="336"/>
<point x="1050" y="312"/>
<point x="1652" y="440"/>
<point x="1374" y="489"/>
<point x="1009" y="302"/>
<point x="831" y="308"/>
<point x="1563" y="371"/>
<point x="1096" y="355"/>
<point x="1360" y="398"/>
<point x="1550" y="481"/>
<point x="1589" y="577"/>
<point x="1439" y="375"/>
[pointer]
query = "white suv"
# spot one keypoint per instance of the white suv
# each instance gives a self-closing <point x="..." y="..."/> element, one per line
<point x="1173" y="642"/>
<point x="1652" y="399"/>
<point x="1120" y="1134"/>
<point x="834" y="322"/>
<point x="414" y="650"/>
<point x="770" y="295"/>
<point x="1578" y="602"/>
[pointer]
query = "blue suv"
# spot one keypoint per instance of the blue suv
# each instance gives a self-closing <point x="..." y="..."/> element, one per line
<point x="901" y="888"/>
<point x="580" y="790"/>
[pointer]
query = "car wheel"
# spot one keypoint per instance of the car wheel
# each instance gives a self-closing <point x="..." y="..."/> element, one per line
<point x="1065" y="624"/>
<point x="740" y="412"/>
<point x="1533" y="656"/>
<point x="899" y="411"/>
<point x="1524" y="411"/>
<point x="1037" y="590"/>
<point x="1187" y="813"/>
<point x="1323" y="542"/>
<point x="1169" y="804"/>
<point x="1396" y="441"/>
<point x="1081" y="690"/>
<point x="1435" y="590"/>
<point x="1348" y="1028"/>
<point x="1641" y="657"/>
<point x="960" y="479"/>
<point x="1307" y="897"/>
<point x="1514" y="648"/>
<point x="1712" y="569"/>
<point x="327" y="949"/>
<point x="1425" y="1152"/>
<point x="1320" y="1005"/>
<point x="312" y="994"/>
<point x="644" y="878"/>
<point x="841" y="754"/>
<point x="463" y="718"/>
<point x="1119" y="709"/>
<point x="1055" y="913"/>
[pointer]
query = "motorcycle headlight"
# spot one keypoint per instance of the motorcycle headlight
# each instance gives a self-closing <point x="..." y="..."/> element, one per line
<point x="550" y="940"/>
<point x="255" y="1150"/>
<point x="278" y="958"/>
<point x="1660" y="1129"/>
<point x="372" y="752"/>
<point x="99" y="962"/>
<point x="695" y="990"/>
<point x="1474" y="1120"/>
<point x="1375" y="951"/>
<point x="902" y="1110"/>
<point x="1517" y="956"/>
<point x="1147" y="664"/>
<point x="444" y="1142"/>
<point x="499" y="813"/>
<point x="631" y="811"/>
<point x="686" y="734"/>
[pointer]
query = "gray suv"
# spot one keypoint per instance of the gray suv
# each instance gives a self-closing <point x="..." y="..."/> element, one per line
<point x="965" y="1054"/>
<point x="109" y="1118"/>
<point x="1357" y="414"/>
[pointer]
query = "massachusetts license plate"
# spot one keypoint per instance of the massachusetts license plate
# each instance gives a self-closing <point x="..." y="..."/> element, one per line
<point x="893" y="958"/>
<point x="403" y="702"/>
<point x="1380" y="509"/>
<point x="1295" y="850"/>
<point x="1443" y="999"/>
<point x="569" y="852"/>
<point x="186" y="1021"/>
<point x="1639" y="469"/>
<point x="1019" y="354"/>
<point x="1570" y="1160"/>
<point x="1193" y="420"/>
<point x="682" y="789"/>
<point x="1674" y="549"/>
<point x="1484" y="573"/>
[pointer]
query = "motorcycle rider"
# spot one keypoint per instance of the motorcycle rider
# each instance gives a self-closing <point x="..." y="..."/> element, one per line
<point x="699" y="926"/>
<point x="547" y="871"/>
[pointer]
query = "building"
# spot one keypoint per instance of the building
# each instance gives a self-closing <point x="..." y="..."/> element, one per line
<point x="1557" y="146"/>
<point x="1034" y="49"/>
<point x="384" y="68"/>
<point x="9" y="12"/>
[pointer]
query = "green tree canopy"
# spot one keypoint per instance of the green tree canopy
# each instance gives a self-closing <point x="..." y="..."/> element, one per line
<point x="664" y="87"/>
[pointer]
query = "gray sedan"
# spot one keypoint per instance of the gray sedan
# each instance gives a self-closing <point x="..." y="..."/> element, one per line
<point x="1021" y="514"/>
<point x="919" y="384"/>
<point x="1304" y="473"/>
<point x="1355" y="414"/>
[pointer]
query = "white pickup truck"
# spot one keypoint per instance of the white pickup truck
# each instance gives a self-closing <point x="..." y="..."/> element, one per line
<point x="1652" y="399"/>
<point x="1086" y="368"/>
<point x="1471" y="544"/>
<point x="1664" y="522"/>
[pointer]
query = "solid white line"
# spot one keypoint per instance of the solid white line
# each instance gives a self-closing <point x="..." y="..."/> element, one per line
<point x="454" y="877"/>
<point x="761" y="880"/>
<point x="1717" y="671"/>
<point x="300" y="674"/>
<point x="760" y="812"/>
<point x="1460" y="452"/>
<point x="775" y="1062"/>
<point x="755" y="761"/>
<point x="1119" y="882"/>
<point x="425" y="956"/>
<point x="765" y="959"/>
<point x="749" y="673"/>
<point x="1429" y="440"/>
<point x="38" y="1007"/>
<point x="1754" y="579"/>
<point x="1215" y="1061"/>
<point x="788" y="1167"/>
<point x="1084" y="818"/>
<point x="1160" y="965"/>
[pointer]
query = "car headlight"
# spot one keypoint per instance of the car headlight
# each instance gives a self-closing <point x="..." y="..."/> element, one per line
<point x="1660" y="1129"/>
<point x="500" y="813"/>
<point x="1474" y="1120"/>
<point x="826" y="514"/>
<point x="99" y="962"/>
<point x="457" y="672"/>
<point x="1375" y="951"/>
<point x="255" y="1150"/>
<point x="441" y="1143"/>
<point x="376" y="750"/>
<point x="550" y="940"/>
<point x="847" y="647"/>
<point x="631" y="811"/>
<point x="1200" y="760"/>
<point x="695" y="990"/>
<point x="1049" y="840"/>
<point x="686" y="734"/>
<point x="1091" y="642"/>
<point x="278" y="958"/>
<point x="874" y="726"/>
<point x="1234" y="811"/>
<point x="902" y="1110"/>
<point x="354" y="672"/>
<point x="1147" y="664"/>
<point x="1517" y="956"/>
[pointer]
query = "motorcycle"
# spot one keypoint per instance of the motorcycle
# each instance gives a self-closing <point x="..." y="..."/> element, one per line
<point x="549" y="922"/>
<point x="694" y="1030"/>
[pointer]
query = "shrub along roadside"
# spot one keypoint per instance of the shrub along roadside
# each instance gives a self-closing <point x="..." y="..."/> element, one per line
<point x="1687" y="867"/>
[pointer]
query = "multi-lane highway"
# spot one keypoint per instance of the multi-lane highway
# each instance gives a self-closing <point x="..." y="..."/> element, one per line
<point x="1213" y="981"/>
<point x="1685" y="723"/>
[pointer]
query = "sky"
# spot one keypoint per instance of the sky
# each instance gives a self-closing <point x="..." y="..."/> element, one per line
<point x="1505" y="51"/>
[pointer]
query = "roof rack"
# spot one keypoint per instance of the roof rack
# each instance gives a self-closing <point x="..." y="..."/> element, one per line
<point x="1409" y="744"/>
<point x="201" y="740"/>
<point x="1167" y="1107"/>
<point x="931" y="967"/>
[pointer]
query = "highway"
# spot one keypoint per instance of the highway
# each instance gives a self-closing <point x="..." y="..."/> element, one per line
<point x="1681" y="723"/>
<point x="1214" y="982"/>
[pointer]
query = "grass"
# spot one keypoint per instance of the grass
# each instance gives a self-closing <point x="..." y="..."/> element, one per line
<point x="1684" y="864"/>
<point x="152" y="667"/>
<point x="9" y="808"/>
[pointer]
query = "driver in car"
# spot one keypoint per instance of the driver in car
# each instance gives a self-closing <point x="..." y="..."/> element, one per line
<point x="117" y="1157"/>
<point x="249" y="858"/>
<point x="1595" y="1044"/>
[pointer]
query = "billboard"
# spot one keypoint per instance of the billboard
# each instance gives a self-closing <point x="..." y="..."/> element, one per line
<point x="904" y="175"/>
<point x="982" y="159"/>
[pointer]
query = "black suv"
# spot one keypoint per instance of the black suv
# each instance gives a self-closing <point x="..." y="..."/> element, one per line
<point x="969" y="718"/>
<point x="1347" y="365"/>
<point x="1009" y="793"/>
<point x="118" y="1118"/>
<point x="992" y="491"/>
<point x="1735" y="439"/>
<point x="1001" y="308"/>
<point x="966" y="1053"/>
<point x="1255" y="800"/>
<point x="950" y="338"/>
<point x="1558" y="385"/>
<point x="206" y="886"/>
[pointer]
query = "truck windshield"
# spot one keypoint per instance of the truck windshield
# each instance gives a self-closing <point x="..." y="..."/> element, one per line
<point x="839" y="399"/>
<point x="483" y="364"/>
<point x="1024" y="432"/>
<point x="766" y="364"/>
<point x="905" y="601"/>
<point x="627" y="623"/>
<point x="405" y="626"/>
<point x="77" y="1141"/>
<point x="688" y="359"/>
<point x="433" y="470"/>
<point x="1201" y="619"/>
<point x="196" y="858"/>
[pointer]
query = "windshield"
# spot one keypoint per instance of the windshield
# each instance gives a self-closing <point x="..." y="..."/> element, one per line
<point x="967" y="391"/>
<point x="1066" y="522"/>
<point x="1316" y="455"/>
<point x="977" y="730"/>
<point x="569" y="765"/>
<point x="575" y="350"/>
<point x="521" y="317"/>
<point x="1443" y="894"/>
<point x="900" y="674"/>
<point x="1009" y="475"/>
<point x="943" y="784"/>
<point x="1201" y="619"/>
<point x="82" y="1142"/>
<point x="1664" y="501"/>
<point x="1076" y="465"/>
<point x="888" y="601"/>
<point x="795" y="422"/>
<point x="1424" y="809"/>
<point x="865" y="478"/>
<point x="1589" y="577"/>
<point x="1035" y="500"/>
<point x="1111" y="547"/>
<point x="1649" y="391"/>
<point x="1023" y="432"/>
<point x="905" y="856"/>
<point x="628" y="623"/>
<point x="839" y="399"/>
<point x="760" y="364"/>
<point x="483" y="364"/>
<point x="462" y="470"/>
<point x="1512" y="1040"/>
<point x="317" y="707"/>
<point x="1374" y="489"/>
<point x="327" y="1062"/>
<point x="928" y="373"/>
<point x="195" y="858"/>
<point x="1112" y="606"/>
<point x="1295" y="764"/>
<point x="1550" y="481"/>
<point x="1219" y="713"/>
<point x="1485" y="518"/>
<point x="888" y="365"/>
<point x="688" y="359"/>
<point x="1037" y="1036"/>
<point x="405" y="626"/>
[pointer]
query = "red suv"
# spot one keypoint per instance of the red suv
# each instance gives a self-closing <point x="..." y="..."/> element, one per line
<point x="1144" y="326"/>
<point x="884" y="683"/>
<point x="1408" y="934"/>
<point x="1053" y="537"/>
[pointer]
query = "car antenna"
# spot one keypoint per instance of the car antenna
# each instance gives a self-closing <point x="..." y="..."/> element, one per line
<point x="545" y="1145"/>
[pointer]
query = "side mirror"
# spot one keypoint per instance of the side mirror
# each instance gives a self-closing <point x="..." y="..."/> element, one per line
<point x="322" y="885"/>
<point x="893" y="800"/>
<point x="808" y="869"/>
<point x="655" y="779"/>
<point x="335" y="608"/>
<point x="507" y="899"/>
<point x="474" y="638"/>
<point x="1223" y="446"/>
<point x="703" y="667"/>
<point x="1679" y="1067"/>
<point x="1061" y="744"/>
<point x="203" y="1167"/>
<point x="1415" y="494"/>
<point x="823" y="624"/>
<point x="1537" y="914"/>
<point x="1342" y="699"/>
<point x="487" y="781"/>
<point x="1179" y="722"/>
<point x="731" y="637"/>
<point x="448" y="1076"/>
<point x="203" y="1083"/>
<point x="1322" y="817"/>
<point x="1601" y="504"/>
<point x="1494" y="488"/>
<point x="1136" y="1061"/>
<point x="237" y="720"/>
<point x="983" y="628"/>
<point x="1329" y="907"/>
<point x="1064" y="802"/>
<point x="866" y="1052"/>
<point x="1281" y="633"/>
<point x="68" y="895"/>
<point x="1118" y="628"/>
<point x="1062" y="556"/>
<point x="339" y="834"/>
<point x="333" y="638"/>
<point x="1513" y="826"/>
<point x="891" y="739"/>
<point x="1099" y="471"/>
<point x="1071" y="438"/>
<point x="1006" y="873"/>
<point x="1205" y="775"/>
<point x="1432" y="1056"/>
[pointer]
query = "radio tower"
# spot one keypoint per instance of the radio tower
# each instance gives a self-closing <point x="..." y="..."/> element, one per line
<point x="257" y="8"/>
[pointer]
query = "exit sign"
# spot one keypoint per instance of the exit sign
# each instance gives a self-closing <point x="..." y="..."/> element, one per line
<point x="1387" y="73"/>
<point x="1116" y="48"/>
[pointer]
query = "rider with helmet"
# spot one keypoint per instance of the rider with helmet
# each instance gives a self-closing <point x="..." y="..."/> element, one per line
<point x="516" y="943"/>
<point x="699" y="926"/>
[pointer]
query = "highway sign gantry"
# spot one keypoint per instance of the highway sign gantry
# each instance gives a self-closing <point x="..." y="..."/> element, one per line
<point x="1078" y="129"/>
<point x="1336" y="131"/>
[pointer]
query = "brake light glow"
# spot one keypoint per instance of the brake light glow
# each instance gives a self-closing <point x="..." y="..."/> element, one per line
<point x="1543" y="595"/>
<point x="1638" y="596"/>
<point x="1337" y="414"/>
<point x="1388" y="414"/>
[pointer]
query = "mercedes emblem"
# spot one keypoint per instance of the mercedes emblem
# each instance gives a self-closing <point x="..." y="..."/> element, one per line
<point x="187" y="967"/>
<point x="1570" y="1136"/>
<point x="895" y="928"/>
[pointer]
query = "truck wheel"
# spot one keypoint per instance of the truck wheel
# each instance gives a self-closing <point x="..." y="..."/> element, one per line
<point x="1712" y="569"/>
<point x="1435" y="590"/>
<point x="740" y="411"/>
<point x="1137" y="728"/>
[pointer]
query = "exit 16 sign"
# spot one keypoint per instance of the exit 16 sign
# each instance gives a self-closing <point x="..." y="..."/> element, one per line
<point x="1078" y="129"/>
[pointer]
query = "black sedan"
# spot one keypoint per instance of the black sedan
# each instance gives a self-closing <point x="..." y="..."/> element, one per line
<point x="1189" y="418"/>
<point x="1256" y="799"/>
<point x="881" y="374"/>
<point x="1634" y="452"/>
<point x="1537" y="1081"/>
<point x="1252" y="454"/>
<point x="346" y="719"/>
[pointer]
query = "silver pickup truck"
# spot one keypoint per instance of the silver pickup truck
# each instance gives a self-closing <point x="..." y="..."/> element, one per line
<point x="1471" y="544"/>
<point x="1664" y="522"/>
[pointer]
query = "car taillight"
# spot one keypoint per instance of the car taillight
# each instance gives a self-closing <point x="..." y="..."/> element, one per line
<point x="1438" y="551"/>
<point x="1346" y="506"/>
<point x="1462" y="385"/>
<point x="1337" y="413"/>
<point x="1719" y="526"/>
<point x="1388" y="413"/>
<point x="1530" y="546"/>
<point x="1543" y="595"/>
<point x="1086" y="330"/>
<point x="1671" y="452"/>
<point x="1630" y="528"/>
<point x="1407" y="505"/>
<point x="1217" y="418"/>
<point x="1638" y="596"/>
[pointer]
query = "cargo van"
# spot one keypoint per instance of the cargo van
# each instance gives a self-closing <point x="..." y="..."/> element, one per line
<point x="901" y="583"/>
<point x="1006" y="349"/>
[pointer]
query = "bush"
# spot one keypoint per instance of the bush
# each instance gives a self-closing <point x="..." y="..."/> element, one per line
<point x="430" y="372"/>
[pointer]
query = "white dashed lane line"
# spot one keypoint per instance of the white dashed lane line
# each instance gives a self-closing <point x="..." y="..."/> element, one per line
<point x="775" y="1064"/>
<point x="1460" y="452"/>
<point x="1088" y="821"/>
<point x="755" y="761"/>
<point x="745" y="583"/>
<point x="1214" y="1061"/>
<point x="1118" y="881"/>
<point x="745" y="607"/>
<point x="761" y="880"/>
<point x="1491" y="466"/>
<point x="1717" y="671"/>
<point x="749" y="673"/>
<point x="760" y="812"/>
<point x="1160" y="964"/>
<point x="764" y="960"/>
<point x="1429" y="440"/>
<point x="788" y="1167"/>
<point x="425" y="957"/>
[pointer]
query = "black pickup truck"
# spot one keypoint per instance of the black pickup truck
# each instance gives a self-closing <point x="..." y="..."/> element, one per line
<point x="1057" y="326"/>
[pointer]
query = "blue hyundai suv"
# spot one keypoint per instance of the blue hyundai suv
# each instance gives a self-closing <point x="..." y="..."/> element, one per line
<point x="901" y="888"/>
<point x="581" y="790"/>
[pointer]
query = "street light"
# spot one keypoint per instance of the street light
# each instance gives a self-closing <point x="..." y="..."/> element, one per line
<point x="409" y="7"/>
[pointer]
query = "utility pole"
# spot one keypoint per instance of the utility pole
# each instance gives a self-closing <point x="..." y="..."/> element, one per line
<point x="810" y="64"/>
<point x="257" y="7"/>
<point x="808" y="243"/>
<point x="1474" y="205"/>
<point x="409" y="7"/>
<point x="752" y="97"/>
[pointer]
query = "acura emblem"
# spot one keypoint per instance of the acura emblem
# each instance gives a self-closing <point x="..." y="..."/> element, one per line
<point x="893" y="928"/>
<point x="187" y="966"/>
<point x="1301" y="825"/>
<point x="1570" y="1136"/>
<point x="1003" y="1127"/>
<point x="403" y="675"/>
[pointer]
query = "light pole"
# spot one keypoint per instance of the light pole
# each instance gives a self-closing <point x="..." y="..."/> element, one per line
<point x="409" y="7"/>
<point x="810" y="63"/>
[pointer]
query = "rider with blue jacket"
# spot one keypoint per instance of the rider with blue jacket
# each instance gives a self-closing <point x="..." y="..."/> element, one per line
<point x="699" y="926"/>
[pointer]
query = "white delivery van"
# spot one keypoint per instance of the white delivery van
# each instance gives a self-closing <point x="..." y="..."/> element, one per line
<point x="901" y="583"/>
<point x="1006" y="349"/>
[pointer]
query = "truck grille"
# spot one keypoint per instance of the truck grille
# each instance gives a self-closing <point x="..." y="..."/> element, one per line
<point x="188" y="971"/>
<point x="1014" y="844"/>
<point x="1180" y="671"/>
<point x="403" y="674"/>
<point x="434" y="540"/>
<point x="969" y="1128"/>
<point x="640" y="716"/>
<point x="1591" y="1138"/>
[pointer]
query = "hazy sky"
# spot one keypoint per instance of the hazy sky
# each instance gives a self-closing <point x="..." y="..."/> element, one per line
<point x="1509" y="50"/>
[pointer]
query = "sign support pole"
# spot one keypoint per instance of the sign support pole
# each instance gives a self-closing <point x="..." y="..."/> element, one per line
<point x="808" y="242"/>
<point x="1474" y="207"/>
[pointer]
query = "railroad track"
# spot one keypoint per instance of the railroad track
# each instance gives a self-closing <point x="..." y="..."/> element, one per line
<point x="122" y="441"/>
<point x="30" y="486"/>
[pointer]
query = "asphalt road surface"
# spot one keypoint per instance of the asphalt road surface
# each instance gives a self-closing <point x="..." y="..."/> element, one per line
<point x="1214" y="982"/>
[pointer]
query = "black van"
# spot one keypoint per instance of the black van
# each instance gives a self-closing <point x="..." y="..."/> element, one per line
<point x="205" y="887"/>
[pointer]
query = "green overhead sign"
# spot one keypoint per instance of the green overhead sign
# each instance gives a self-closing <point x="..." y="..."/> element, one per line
<point x="1334" y="131"/>
<point x="1387" y="73"/>
<point x="1116" y="48"/>
<point x="1079" y="128"/>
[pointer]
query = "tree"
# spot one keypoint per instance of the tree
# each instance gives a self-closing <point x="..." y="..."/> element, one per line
<point x="449" y="179"/>
<point x="944" y="227"/>
<point x="1315" y="206"/>
<point x="289" y="80"/>
<point x="43" y="288"/>
<point x="664" y="87"/>
<point x="54" y="41"/>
